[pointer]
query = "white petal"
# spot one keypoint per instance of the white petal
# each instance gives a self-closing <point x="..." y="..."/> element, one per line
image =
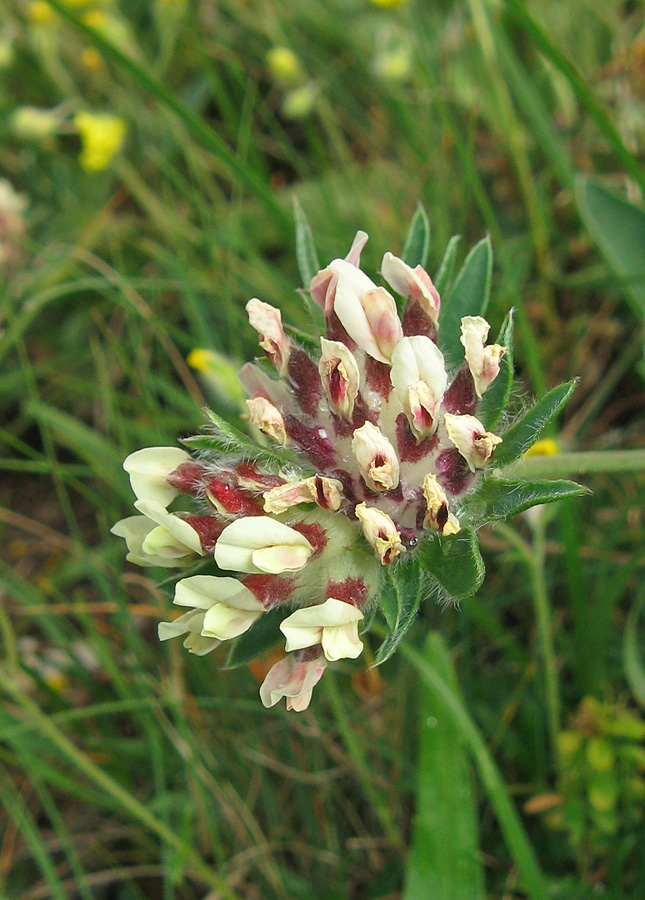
<point x="190" y="621"/>
<point x="352" y="286"/>
<point x="149" y="470"/>
<point x="203" y="591"/>
<point x="184" y="534"/>
<point x="341" y="642"/>
<point x="225" y="622"/>
<point x="305" y="627"/>
<point x="240" y="541"/>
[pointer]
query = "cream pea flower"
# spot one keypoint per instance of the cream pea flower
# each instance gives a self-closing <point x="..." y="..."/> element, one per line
<point x="261" y="544"/>
<point x="333" y="624"/>
<point x="230" y="607"/>
<point x="149" y="470"/>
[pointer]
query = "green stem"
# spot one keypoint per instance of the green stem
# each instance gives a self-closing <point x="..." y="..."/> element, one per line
<point x="567" y="464"/>
<point x="516" y="838"/>
<point x="534" y="556"/>
<point x="136" y="809"/>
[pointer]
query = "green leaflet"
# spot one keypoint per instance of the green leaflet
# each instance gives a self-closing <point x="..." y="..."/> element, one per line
<point x="308" y="264"/>
<point x="498" y="499"/>
<point x="468" y="297"/>
<point x="524" y="433"/>
<point x="496" y="397"/>
<point x="400" y="603"/>
<point x="417" y="242"/>
<point x="446" y="815"/>
<point x="618" y="227"/>
<point x="263" y="634"/>
<point x="228" y="440"/>
<point x="455" y="563"/>
<point x="443" y="278"/>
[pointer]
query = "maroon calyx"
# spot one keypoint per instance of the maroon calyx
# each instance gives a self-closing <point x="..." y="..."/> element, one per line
<point x="314" y="533"/>
<point x="377" y="375"/>
<point x="233" y="499"/>
<point x="263" y="480"/>
<point x="352" y="590"/>
<point x="460" y="399"/>
<point x="312" y="441"/>
<point x="189" y="478"/>
<point x="305" y="380"/>
<point x="208" y="529"/>
<point x="417" y="321"/>
<point x="270" y="590"/>
<point x="453" y="473"/>
<point x="409" y="448"/>
<point x="336" y="331"/>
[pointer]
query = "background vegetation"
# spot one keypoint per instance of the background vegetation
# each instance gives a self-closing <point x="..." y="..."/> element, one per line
<point x="129" y="770"/>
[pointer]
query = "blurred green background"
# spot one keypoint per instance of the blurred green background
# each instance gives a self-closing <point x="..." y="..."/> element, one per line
<point x="152" y="152"/>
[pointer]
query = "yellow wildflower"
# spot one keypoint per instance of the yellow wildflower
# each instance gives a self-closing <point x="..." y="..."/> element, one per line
<point x="101" y="136"/>
<point x="545" y="447"/>
<point x="284" y="66"/>
<point x="40" y="13"/>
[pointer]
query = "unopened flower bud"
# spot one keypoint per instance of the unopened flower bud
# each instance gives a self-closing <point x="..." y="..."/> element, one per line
<point x="267" y="321"/>
<point x="376" y="458"/>
<point x="419" y="378"/>
<point x="414" y="284"/>
<point x="469" y="436"/>
<point x="483" y="361"/>
<point x="268" y="418"/>
<point x="340" y="377"/>
<point x="437" y="516"/>
<point x="323" y="284"/>
<point x="381" y="532"/>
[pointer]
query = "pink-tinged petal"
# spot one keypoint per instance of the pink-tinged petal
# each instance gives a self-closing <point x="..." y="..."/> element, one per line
<point x="483" y="361"/>
<point x="381" y="532"/>
<point x="267" y="321"/>
<point x="257" y="383"/>
<point x="415" y="284"/>
<point x="376" y="458"/>
<point x="268" y="418"/>
<point x="323" y="284"/>
<point x="367" y="312"/>
<point x="293" y="679"/>
<point x="340" y="377"/>
<point x="469" y="436"/>
<point x="261" y="544"/>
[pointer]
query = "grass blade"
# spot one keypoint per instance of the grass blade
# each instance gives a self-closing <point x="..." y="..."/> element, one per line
<point x="446" y="811"/>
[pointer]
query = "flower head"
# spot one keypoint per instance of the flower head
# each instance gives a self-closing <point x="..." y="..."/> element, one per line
<point x="372" y="462"/>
